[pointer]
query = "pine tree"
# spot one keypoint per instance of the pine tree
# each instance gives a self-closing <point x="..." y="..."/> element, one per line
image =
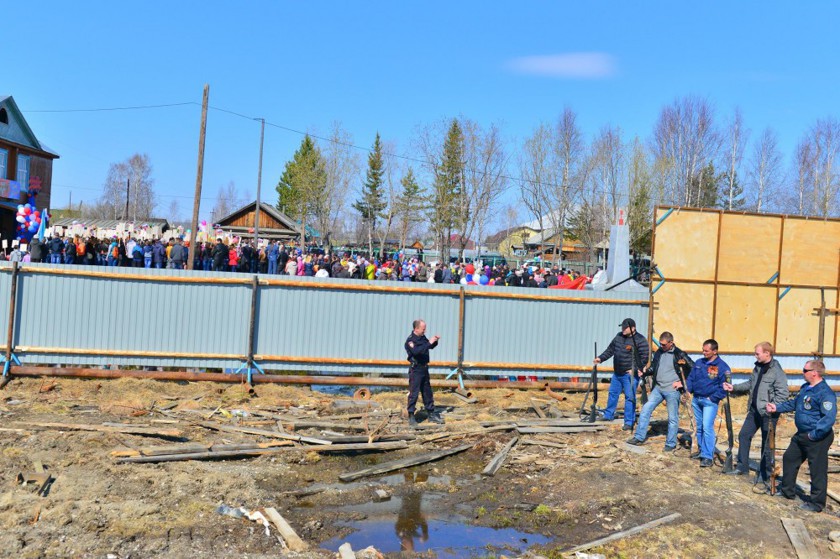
<point x="372" y="203"/>
<point x="410" y="204"/>
<point x="302" y="180"/>
<point x="738" y="202"/>
<point x="448" y="189"/>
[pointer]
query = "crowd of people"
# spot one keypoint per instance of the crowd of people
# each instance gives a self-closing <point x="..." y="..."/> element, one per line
<point x="673" y="376"/>
<point x="277" y="258"/>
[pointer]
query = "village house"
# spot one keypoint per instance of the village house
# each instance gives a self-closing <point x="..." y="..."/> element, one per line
<point x="25" y="166"/>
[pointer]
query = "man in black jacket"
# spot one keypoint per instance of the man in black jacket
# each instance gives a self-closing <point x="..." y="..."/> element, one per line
<point x="631" y="352"/>
<point x="220" y="256"/>
<point x="417" y="347"/>
<point x="668" y="362"/>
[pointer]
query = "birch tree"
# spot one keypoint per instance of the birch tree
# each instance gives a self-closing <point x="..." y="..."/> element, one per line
<point x="341" y="164"/>
<point x="537" y="171"/>
<point x="129" y="180"/>
<point x="736" y="138"/>
<point x="570" y="159"/>
<point x="765" y="171"/>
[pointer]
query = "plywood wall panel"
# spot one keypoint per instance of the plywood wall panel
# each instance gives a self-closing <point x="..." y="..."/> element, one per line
<point x="749" y="247"/>
<point x="799" y="323"/>
<point x="810" y="253"/>
<point x="685" y="310"/>
<point x="686" y="244"/>
<point x="745" y="316"/>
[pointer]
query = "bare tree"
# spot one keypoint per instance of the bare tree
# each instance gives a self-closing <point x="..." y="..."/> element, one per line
<point x="484" y="180"/>
<point x="129" y="180"/>
<point x="174" y="212"/>
<point x="227" y="200"/>
<point x="685" y="140"/>
<point x="826" y="142"/>
<point x="391" y="194"/>
<point x="538" y="171"/>
<point x="765" y="171"/>
<point x="804" y="171"/>
<point x="342" y="166"/>
<point x="608" y="169"/>
<point x="736" y="138"/>
<point x="570" y="158"/>
<point x="639" y="199"/>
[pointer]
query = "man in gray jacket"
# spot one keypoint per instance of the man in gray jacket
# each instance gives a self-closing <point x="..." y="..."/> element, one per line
<point x="768" y="383"/>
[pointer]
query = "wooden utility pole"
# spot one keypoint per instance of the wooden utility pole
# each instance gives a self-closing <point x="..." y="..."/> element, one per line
<point x="259" y="185"/>
<point x="199" y="176"/>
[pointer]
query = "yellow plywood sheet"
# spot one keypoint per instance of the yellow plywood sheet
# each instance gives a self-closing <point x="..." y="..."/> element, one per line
<point x="686" y="244"/>
<point x="745" y="316"/>
<point x="749" y="248"/>
<point x="685" y="310"/>
<point x="799" y="323"/>
<point x="810" y="253"/>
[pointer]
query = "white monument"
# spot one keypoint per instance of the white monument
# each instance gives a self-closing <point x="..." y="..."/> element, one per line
<point x="618" y="262"/>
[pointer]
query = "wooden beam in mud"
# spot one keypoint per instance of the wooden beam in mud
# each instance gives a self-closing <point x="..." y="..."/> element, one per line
<point x="624" y="534"/>
<point x="497" y="461"/>
<point x="403" y="463"/>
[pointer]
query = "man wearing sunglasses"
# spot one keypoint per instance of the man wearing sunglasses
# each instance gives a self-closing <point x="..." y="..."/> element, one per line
<point x="815" y="411"/>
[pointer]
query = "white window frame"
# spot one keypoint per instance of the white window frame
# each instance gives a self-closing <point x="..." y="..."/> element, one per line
<point x="23" y="171"/>
<point x="4" y="162"/>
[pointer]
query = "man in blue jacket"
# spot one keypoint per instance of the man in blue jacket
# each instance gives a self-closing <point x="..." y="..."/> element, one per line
<point x="705" y="383"/>
<point x="815" y="411"/>
<point x="631" y="352"/>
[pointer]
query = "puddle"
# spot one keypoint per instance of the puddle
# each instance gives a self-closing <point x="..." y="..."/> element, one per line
<point x="402" y="524"/>
<point x="446" y="538"/>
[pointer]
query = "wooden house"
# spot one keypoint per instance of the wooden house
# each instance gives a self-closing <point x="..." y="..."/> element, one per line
<point x="25" y="164"/>
<point x="274" y="224"/>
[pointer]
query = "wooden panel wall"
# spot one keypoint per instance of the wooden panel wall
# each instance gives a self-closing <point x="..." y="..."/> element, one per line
<point x="745" y="278"/>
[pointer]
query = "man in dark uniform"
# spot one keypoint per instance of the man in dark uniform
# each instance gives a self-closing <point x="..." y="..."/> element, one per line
<point x="630" y="351"/>
<point x="815" y="411"/>
<point x="417" y="347"/>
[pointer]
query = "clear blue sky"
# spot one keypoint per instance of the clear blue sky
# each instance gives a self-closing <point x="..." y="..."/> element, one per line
<point x="391" y="66"/>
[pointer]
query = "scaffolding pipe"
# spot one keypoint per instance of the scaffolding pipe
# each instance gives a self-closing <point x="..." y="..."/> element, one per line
<point x="76" y="372"/>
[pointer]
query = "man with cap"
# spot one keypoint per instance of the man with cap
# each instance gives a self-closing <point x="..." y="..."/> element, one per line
<point x="417" y="347"/>
<point x="815" y="411"/>
<point x="631" y="351"/>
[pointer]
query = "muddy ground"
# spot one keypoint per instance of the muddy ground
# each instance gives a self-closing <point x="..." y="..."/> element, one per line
<point x="545" y="499"/>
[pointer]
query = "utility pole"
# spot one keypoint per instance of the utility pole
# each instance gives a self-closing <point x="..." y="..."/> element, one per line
<point x="127" y="189"/>
<point x="199" y="176"/>
<point x="259" y="184"/>
<point x="70" y="203"/>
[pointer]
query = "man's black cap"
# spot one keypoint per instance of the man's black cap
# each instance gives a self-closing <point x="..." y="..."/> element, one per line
<point x="627" y="323"/>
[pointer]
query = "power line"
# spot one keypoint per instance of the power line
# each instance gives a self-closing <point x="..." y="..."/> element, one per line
<point x="104" y="109"/>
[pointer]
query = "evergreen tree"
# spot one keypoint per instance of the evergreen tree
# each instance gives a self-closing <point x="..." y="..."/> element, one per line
<point x="302" y="181"/>
<point x="738" y="202"/>
<point x="448" y="189"/>
<point x="410" y="204"/>
<point x="707" y="186"/>
<point x="372" y="202"/>
<point x="640" y="206"/>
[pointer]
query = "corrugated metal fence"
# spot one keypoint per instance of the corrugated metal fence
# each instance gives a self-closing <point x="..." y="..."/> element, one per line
<point x="83" y="315"/>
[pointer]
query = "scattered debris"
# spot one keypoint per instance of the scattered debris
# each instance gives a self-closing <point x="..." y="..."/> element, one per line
<point x="293" y="541"/>
<point x="800" y="539"/>
<point x="624" y="534"/>
<point x="497" y="461"/>
<point x="381" y="495"/>
<point x="403" y="463"/>
<point x="126" y="429"/>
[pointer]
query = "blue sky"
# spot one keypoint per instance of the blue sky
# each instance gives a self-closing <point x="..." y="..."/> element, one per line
<point x="391" y="66"/>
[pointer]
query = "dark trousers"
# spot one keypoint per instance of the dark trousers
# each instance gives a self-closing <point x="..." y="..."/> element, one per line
<point x="752" y="423"/>
<point x="802" y="448"/>
<point x="418" y="381"/>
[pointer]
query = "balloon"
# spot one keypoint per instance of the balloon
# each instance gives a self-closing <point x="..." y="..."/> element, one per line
<point x="27" y="211"/>
<point x="20" y="219"/>
<point x="28" y="206"/>
<point x="20" y="207"/>
<point x="483" y="280"/>
<point x="37" y="214"/>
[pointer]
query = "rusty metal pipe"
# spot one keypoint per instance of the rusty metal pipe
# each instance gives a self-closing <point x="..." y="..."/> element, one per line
<point x="555" y="395"/>
<point x="77" y="372"/>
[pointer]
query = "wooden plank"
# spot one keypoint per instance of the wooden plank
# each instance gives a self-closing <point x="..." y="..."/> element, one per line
<point x="816" y="242"/>
<point x="548" y="422"/>
<point x="748" y="248"/>
<point x="262" y="433"/>
<point x="693" y="323"/>
<point x="744" y="315"/>
<point x="801" y="324"/>
<point x="536" y="430"/>
<point x="166" y="450"/>
<point x="496" y="463"/>
<point x="214" y="455"/>
<point x="625" y="533"/>
<point x="537" y="408"/>
<point x="688" y="228"/>
<point x="293" y="541"/>
<point x="544" y="443"/>
<point x="344" y="439"/>
<point x="128" y="430"/>
<point x="800" y="538"/>
<point x="403" y="463"/>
